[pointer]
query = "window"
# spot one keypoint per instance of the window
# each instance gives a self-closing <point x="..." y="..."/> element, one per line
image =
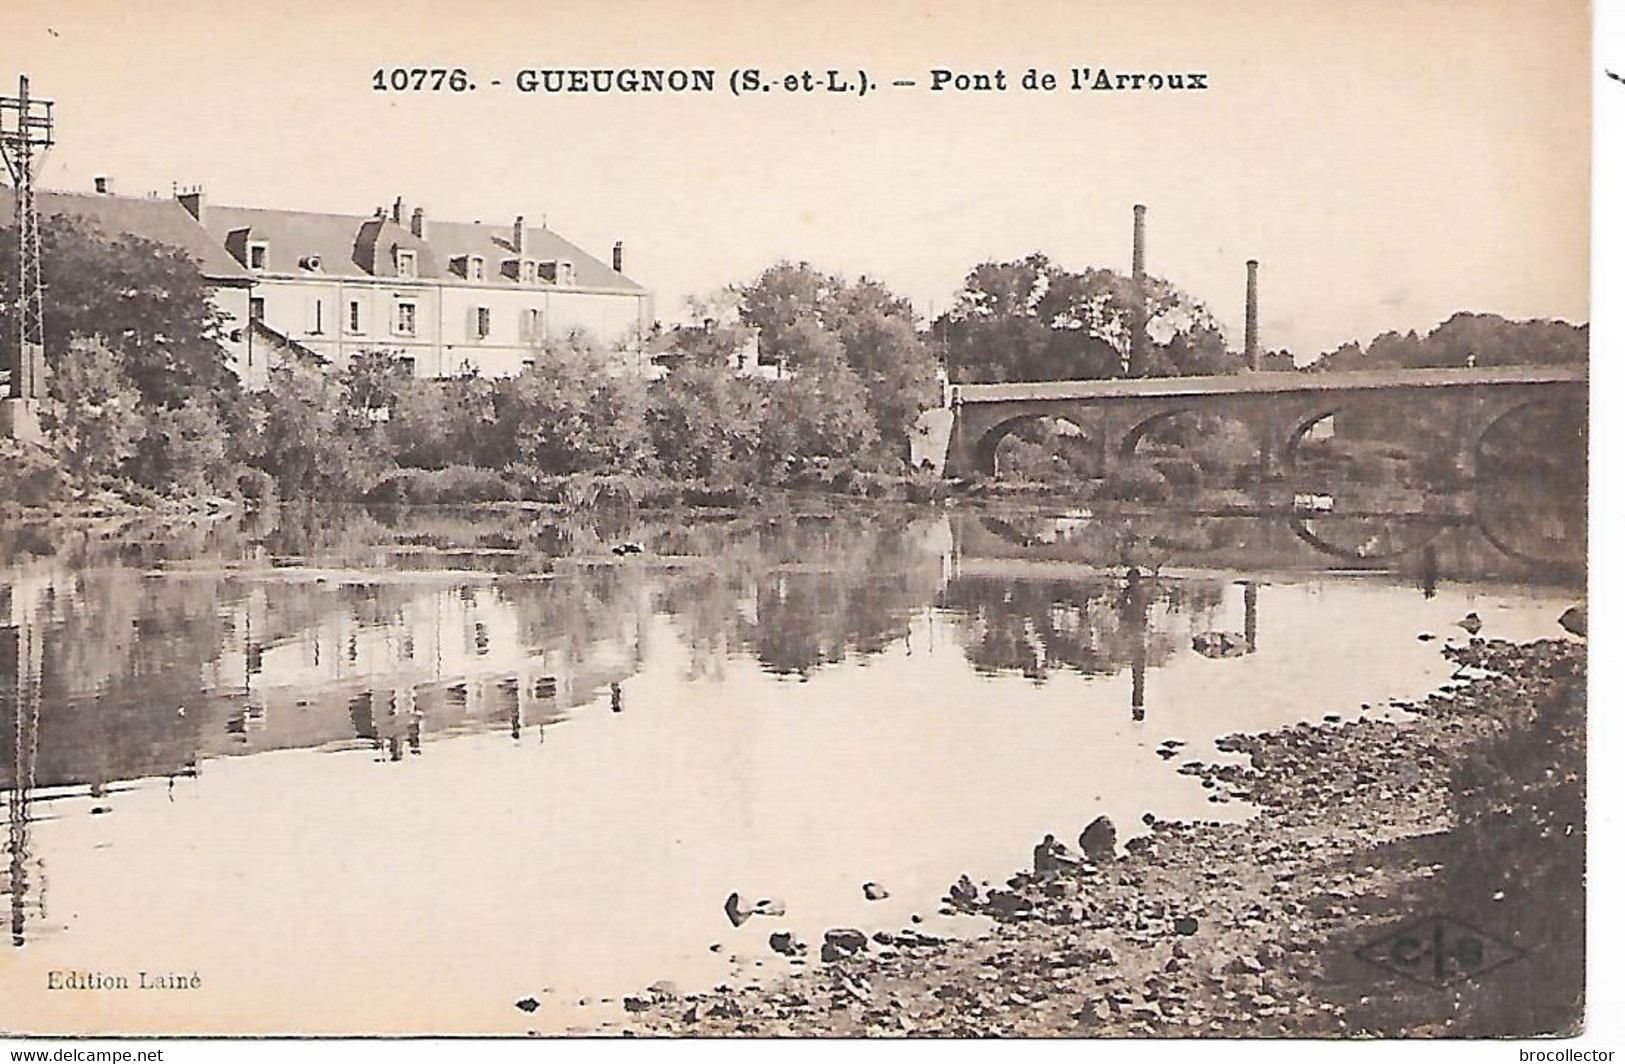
<point x="476" y="268"/>
<point x="406" y="319"/>
<point x="256" y="308"/>
<point x="527" y="272"/>
<point x="532" y="326"/>
<point x="257" y="255"/>
<point x="557" y="272"/>
<point x="316" y="317"/>
<point x="481" y="326"/>
<point x="354" y="323"/>
<point x="406" y="263"/>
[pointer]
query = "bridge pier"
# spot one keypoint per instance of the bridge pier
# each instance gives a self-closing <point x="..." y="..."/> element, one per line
<point x="1271" y="446"/>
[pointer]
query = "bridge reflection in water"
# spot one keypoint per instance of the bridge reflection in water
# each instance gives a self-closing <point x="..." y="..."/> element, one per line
<point x="112" y="672"/>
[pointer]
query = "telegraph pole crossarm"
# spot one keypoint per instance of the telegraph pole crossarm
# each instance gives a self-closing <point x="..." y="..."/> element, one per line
<point x="27" y="132"/>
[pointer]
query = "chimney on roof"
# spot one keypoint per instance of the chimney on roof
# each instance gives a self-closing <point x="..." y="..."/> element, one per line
<point x="192" y="200"/>
<point x="519" y="236"/>
<point x="617" y="257"/>
<point x="395" y="214"/>
<point x="417" y="222"/>
<point x="1252" y="313"/>
<point x="103" y="186"/>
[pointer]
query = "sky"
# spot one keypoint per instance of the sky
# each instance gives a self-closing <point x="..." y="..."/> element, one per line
<point x="1388" y="162"/>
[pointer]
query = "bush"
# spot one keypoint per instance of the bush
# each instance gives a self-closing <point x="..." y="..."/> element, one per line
<point x="32" y="478"/>
<point x="722" y="496"/>
<point x="256" y="485"/>
<point x="1180" y="472"/>
<point x="435" y="487"/>
<point x="1136" y="483"/>
<point x="183" y="451"/>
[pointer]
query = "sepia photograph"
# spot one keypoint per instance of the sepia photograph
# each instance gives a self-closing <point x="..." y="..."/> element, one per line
<point x="714" y="519"/>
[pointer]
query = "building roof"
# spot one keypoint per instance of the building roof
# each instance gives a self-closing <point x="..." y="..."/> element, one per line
<point x="354" y="245"/>
<point x="162" y="220"/>
<point x="283" y="344"/>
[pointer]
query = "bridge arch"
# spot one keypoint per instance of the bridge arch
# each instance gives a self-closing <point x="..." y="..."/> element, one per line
<point x="985" y="451"/>
<point x="1518" y="406"/>
<point x="1301" y="426"/>
<point x="1136" y="432"/>
<point x="1301" y="528"/>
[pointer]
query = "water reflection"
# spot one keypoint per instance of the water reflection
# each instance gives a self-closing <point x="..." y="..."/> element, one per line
<point x="1487" y="536"/>
<point x="148" y="655"/>
<point x="1098" y="624"/>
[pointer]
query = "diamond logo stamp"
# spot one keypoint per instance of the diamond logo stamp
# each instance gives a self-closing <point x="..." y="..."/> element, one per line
<point x="1438" y="951"/>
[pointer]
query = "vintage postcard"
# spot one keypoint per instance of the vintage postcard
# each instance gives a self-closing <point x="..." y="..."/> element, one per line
<point x="709" y="518"/>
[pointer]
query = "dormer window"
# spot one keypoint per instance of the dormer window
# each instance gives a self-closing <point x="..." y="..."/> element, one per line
<point x="558" y="272"/>
<point x="258" y="252"/>
<point x="406" y="263"/>
<point x="527" y="272"/>
<point x="476" y="268"/>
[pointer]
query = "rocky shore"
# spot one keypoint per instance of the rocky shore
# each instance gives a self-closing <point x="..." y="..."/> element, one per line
<point x="1411" y="874"/>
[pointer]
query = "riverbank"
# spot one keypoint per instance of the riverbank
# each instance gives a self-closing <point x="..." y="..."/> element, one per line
<point x="1458" y="821"/>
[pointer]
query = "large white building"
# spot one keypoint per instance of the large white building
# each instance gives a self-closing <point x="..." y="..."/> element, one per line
<point x="444" y="297"/>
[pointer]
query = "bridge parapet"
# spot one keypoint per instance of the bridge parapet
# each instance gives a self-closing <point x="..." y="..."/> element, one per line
<point x="1268" y="383"/>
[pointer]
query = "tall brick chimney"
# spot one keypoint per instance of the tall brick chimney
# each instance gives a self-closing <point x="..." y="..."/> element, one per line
<point x="617" y="257"/>
<point x="395" y="213"/>
<point x="102" y="186"/>
<point x="1252" y="313"/>
<point x="1136" y="339"/>
<point x="519" y="236"/>
<point x="417" y="222"/>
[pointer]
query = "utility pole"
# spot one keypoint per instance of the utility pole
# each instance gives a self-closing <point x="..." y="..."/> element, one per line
<point x="26" y="134"/>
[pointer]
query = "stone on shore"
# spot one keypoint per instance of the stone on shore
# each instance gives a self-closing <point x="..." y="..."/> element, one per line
<point x="1099" y="840"/>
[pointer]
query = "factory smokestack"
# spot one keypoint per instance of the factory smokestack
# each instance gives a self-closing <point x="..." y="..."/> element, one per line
<point x="1136" y="339"/>
<point x="1252" y="313"/>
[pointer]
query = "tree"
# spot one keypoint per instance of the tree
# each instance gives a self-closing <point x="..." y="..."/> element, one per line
<point x="781" y="297"/>
<point x="144" y="300"/>
<point x="808" y="321"/>
<point x="571" y="412"/>
<point x="818" y="414"/>
<point x="303" y="436"/>
<point x="1030" y="319"/>
<point x="705" y="422"/>
<point x="883" y="348"/>
<point x="183" y="451"/>
<point x="92" y="421"/>
<point x="373" y="383"/>
<point x="1467" y="339"/>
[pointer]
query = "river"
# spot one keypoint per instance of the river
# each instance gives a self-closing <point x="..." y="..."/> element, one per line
<point x="395" y="772"/>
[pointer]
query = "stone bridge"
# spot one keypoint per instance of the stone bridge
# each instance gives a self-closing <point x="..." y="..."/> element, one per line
<point x="1278" y="408"/>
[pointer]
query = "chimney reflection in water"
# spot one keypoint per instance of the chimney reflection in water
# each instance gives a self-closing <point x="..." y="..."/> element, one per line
<point x="1136" y="619"/>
